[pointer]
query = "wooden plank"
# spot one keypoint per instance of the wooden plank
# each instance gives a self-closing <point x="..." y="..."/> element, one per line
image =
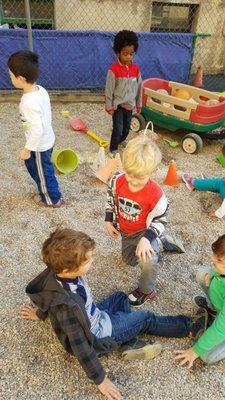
<point x="63" y="97"/>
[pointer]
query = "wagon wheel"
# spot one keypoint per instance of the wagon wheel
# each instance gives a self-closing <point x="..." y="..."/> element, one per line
<point x="192" y="143"/>
<point x="137" y="123"/>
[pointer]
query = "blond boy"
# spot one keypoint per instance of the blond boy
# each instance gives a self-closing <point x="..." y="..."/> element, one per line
<point x="136" y="208"/>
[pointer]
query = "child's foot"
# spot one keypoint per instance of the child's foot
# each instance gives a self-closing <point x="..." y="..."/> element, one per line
<point x="198" y="327"/>
<point x="188" y="180"/>
<point x="202" y="303"/>
<point x="147" y="352"/>
<point x="112" y="153"/>
<point x="123" y="144"/>
<point x="172" y="244"/>
<point x="41" y="203"/>
<point x="137" y="297"/>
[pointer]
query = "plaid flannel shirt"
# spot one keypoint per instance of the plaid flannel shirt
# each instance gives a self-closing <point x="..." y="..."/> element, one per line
<point x="70" y="323"/>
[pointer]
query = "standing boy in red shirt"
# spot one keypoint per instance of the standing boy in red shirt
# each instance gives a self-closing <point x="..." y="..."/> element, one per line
<point x="123" y="87"/>
<point x="137" y="208"/>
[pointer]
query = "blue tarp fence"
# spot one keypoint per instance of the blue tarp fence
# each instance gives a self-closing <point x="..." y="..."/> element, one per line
<point x="80" y="59"/>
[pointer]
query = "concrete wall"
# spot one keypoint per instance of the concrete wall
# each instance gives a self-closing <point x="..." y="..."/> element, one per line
<point x="107" y="15"/>
<point x="114" y="15"/>
<point x="210" y="52"/>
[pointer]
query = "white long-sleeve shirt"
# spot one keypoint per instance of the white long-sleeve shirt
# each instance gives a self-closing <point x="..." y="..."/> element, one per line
<point x="220" y="212"/>
<point x="35" y="112"/>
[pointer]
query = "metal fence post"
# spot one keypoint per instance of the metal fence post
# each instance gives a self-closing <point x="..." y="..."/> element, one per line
<point x="28" y="20"/>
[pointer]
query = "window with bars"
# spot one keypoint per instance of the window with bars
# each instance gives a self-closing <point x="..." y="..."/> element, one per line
<point x="13" y="13"/>
<point x="171" y="17"/>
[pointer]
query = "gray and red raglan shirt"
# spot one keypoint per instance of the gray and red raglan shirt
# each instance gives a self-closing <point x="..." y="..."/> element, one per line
<point x="123" y="86"/>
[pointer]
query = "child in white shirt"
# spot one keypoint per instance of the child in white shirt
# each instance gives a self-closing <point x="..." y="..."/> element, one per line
<point x="35" y="112"/>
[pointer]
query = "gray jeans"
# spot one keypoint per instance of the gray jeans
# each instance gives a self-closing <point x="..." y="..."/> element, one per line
<point x="218" y="352"/>
<point x="149" y="269"/>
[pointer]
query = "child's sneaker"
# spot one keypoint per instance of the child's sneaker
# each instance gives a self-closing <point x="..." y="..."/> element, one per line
<point x="188" y="180"/>
<point x="137" y="297"/>
<point x="198" y="327"/>
<point x="112" y="153"/>
<point x="172" y="244"/>
<point x="147" y="352"/>
<point x="123" y="144"/>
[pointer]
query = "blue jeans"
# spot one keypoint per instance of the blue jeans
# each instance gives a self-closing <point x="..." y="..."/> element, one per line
<point x="121" y="126"/>
<point x="41" y="170"/>
<point x="127" y="324"/>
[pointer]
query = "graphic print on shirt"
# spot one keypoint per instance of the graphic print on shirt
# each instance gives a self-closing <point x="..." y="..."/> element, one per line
<point x="129" y="209"/>
<point x="24" y="123"/>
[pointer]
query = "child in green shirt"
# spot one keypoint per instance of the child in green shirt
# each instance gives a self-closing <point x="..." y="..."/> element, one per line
<point x="210" y="347"/>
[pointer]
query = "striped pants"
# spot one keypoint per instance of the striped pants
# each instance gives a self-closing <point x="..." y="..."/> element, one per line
<point x="41" y="169"/>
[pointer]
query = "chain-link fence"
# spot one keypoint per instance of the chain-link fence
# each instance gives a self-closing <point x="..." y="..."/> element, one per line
<point x="56" y="25"/>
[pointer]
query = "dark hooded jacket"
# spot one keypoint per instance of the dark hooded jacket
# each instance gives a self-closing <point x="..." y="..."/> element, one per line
<point x="70" y="322"/>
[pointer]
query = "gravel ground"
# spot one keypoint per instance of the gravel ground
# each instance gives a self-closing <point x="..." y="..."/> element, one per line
<point x="33" y="364"/>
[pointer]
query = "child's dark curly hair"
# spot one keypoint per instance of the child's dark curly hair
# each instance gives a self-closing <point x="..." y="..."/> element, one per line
<point x="125" y="38"/>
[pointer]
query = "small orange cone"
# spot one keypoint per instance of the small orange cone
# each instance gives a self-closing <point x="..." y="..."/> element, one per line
<point x="171" y="177"/>
<point x="104" y="173"/>
<point x="198" y="79"/>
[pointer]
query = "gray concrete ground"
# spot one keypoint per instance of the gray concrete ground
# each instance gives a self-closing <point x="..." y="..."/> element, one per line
<point x="32" y="363"/>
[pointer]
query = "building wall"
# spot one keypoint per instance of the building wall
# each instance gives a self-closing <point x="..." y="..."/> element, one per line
<point x="114" y="15"/>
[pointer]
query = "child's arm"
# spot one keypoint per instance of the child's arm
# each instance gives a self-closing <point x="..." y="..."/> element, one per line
<point x="85" y="353"/>
<point x="156" y="220"/>
<point x="109" y="91"/>
<point x="220" y="212"/>
<point x="111" y="209"/>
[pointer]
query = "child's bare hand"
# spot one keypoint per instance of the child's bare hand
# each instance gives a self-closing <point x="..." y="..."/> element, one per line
<point x="112" y="231"/>
<point x="110" y="112"/>
<point x="28" y="312"/>
<point x="24" y="154"/>
<point x="138" y="110"/>
<point x="108" y="389"/>
<point x="144" y="249"/>
<point x="212" y="214"/>
<point x="186" y="356"/>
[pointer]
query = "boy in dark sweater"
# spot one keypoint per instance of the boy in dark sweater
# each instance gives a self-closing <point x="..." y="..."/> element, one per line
<point x="85" y="329"/>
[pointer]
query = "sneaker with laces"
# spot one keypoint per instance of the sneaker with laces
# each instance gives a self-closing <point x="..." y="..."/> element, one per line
<point x="146" y="352"/>
<point x="198" y="327"/>
<point x="137" y="297"/>
<point x="188" y="180"/>
<point x="202" y="303"/>
<point x="172" y="244"/>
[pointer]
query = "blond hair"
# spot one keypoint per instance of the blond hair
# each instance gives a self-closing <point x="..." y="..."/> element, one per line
<point x="141" y="156"/>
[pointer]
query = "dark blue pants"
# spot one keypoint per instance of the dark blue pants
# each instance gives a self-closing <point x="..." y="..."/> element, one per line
<point x="127" y="324"/>
<point x="121" y="126"/>
<point x="41" y="169"/>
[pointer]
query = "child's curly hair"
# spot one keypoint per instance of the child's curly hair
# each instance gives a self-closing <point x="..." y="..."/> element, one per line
<point x="66" y="249"/>
<point x="125" y="38"/>
<point x="218" y="247"/>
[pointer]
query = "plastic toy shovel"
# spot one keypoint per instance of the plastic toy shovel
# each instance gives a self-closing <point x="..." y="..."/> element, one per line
<point x="78" y="125"/>
<point x="172" y="143"/>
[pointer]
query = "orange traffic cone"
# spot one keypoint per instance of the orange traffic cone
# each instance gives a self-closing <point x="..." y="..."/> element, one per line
<point x="171" y="177"/>
<point x="105" y="173"/>
<point x="198" y="79"/>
